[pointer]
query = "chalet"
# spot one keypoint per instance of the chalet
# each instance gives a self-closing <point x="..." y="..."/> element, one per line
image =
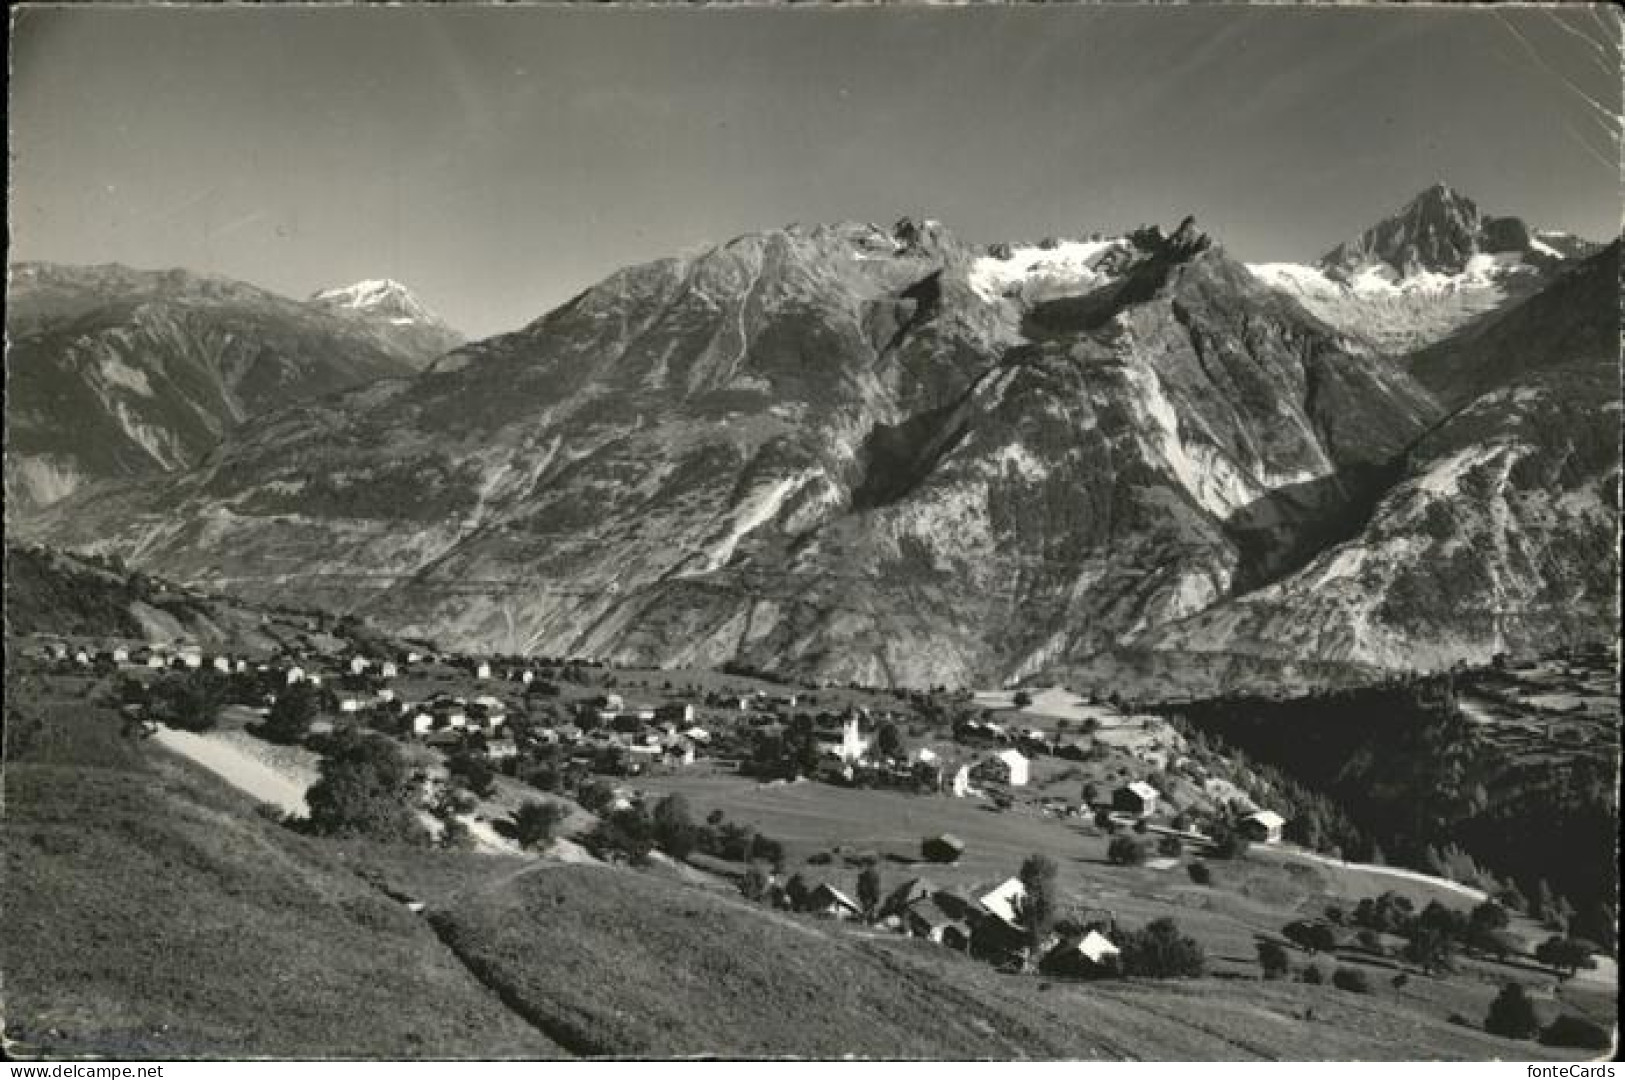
<point x="911" y="892"/>
<point x="946" y="848"/>
<point x="825" y="899"/>
<point x="1264" y="826"/>
<point x="928" y="920"/>
<point x="1091" y="955"/>
<point x="1005" y="901"/>
<point x="678" y="712"/>
<point x="1006" y="767"/>
<point x="1138" y="798"/>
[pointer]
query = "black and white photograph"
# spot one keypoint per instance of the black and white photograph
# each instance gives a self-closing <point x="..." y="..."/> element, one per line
<point x="908" y="532"/>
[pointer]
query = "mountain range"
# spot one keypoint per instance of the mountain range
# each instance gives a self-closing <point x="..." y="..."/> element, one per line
<point x="114" y="373"/>
<point x="854" y="453"/>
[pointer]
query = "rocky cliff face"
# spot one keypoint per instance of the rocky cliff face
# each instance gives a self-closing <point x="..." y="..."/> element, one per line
<point x="831" y="450"/>
<point x="115" y="373"/>
<point x="1500" y="533"/>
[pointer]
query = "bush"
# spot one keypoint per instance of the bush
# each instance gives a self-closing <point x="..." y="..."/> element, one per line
<point x="1159" y="950"/>
<point x="1200" y="873"/>
<point x="1577" y="1032"/>
<point x="474" y="770"/>
<point x="1315" y="937"/>
<point x="1312" y="975"/>
<point x="291" y="715"/>
<point x="363" y="791"/>
<point x="1272" y="958"/>
<point x="1126" y="851"/>
<point x="673" y="827"/>
<point x="536" y="823"/>
<point x="1353" y="980"/>
<point x="1512" y="1014"/>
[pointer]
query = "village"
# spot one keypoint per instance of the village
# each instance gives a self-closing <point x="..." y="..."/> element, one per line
<point x="977" y="798"/>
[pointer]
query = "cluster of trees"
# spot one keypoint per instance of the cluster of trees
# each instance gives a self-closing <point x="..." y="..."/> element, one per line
<point x="1512" y="1015"/>
<point x="364" y="790"/>
<point x="1404" y="761"/>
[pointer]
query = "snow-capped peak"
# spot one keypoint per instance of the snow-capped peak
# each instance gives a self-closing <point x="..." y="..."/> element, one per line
<point x="379" y="296"/>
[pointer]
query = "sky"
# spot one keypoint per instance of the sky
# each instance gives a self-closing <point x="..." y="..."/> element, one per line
<point x="500" y="160"/>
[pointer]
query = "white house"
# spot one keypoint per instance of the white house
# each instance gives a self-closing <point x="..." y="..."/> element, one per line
<point x="422" y="724"/>
<point x="483" y="671"/>
<point x="296" y="674"/>
<point x="349" y="705"/>
<point x="853" y="745"/>
<point x="925" y="755"/>
<point x="1264" y="826"/>
<point x="192" y="658"/>
<point x="698" y="734"/>
<point x="1005" y="901"/>
<point x="315" y="680"/>
<point x="222" y="664"/>
<point x="1138" y="798"/>
<point x="387" y="669"/>
<point x="961" y="782"/>
<point x="386" y="694"/>
<point x="412" y="657"/>
<point x="242" y="667"/>
<point x="156" y="661"/>
<point x="121" y="655"/>
<point x="457" y="720"/>
<point x="526" y="677"/>
<point x="358" y="665"/>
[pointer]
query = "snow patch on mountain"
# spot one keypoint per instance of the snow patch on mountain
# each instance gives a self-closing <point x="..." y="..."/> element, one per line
<point x="1071" y="266"/>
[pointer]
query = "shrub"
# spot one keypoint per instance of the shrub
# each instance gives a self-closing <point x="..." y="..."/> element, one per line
<point x="1272" y="958"/>
<point x="1312" y="975"/>
<point x="291" y="715"/>
<point x="1126" y="851"/>
<point x="625" y="834"/>
<point x="1171" y="846"/>
<point x="1353" y="980"/>
<point x="754" y="884"/>
<point x="474" y="770"/>
<point x="536" y="822"/>
<point x="1159" y="950"/>
<point x="1512" y="1014"/>
<point x="1577" y="1032"/>
<point x="1315" y="937"/>
<point x="673" y="827"/>
<point x="1200" y="873"/>
<point x="362" y="791"/>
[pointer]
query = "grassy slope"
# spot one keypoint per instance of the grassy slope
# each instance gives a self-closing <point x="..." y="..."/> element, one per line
<point x="613" y="961"/>
<point x="151" y="912"/>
